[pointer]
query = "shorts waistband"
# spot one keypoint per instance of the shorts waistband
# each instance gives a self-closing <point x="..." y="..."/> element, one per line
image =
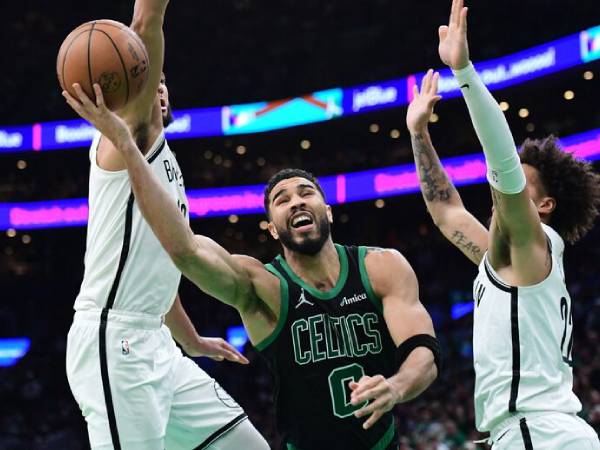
<point x="127" y="319"/>
<point x="514" y="420"/>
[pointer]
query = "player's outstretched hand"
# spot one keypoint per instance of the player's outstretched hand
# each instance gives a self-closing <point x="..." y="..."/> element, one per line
<point x="217" y="349"/>
<point x="103" y="119"/>
<point x="454" y="48"/>
<point x="421" y="108"/>
<point x="380" y="393"/>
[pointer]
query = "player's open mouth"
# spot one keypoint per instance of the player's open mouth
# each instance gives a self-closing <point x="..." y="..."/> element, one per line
<point x="163" y="105"/>
<point x="302" y="221"/>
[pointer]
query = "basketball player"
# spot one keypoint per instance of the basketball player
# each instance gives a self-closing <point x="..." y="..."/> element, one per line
<point x="134" y="387"/>
<point x="341" y="327"/>
<point x="523" y="330"/>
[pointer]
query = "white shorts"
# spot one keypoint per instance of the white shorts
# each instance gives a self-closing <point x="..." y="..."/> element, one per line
<point x="544" y="431"/>
<point x="139" y="391"/>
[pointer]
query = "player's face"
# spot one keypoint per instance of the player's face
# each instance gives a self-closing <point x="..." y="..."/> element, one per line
<point x="537" y="192"/>
<point x="163" y="98"/>
<point x="533" y="186"/>
<point x="300" y="218"/>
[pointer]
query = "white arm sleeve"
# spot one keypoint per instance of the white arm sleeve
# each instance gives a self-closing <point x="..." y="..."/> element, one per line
<point x="505" y="172"/>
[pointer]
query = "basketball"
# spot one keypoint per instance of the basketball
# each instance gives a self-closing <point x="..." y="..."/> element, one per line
<point x="108" y="53"/>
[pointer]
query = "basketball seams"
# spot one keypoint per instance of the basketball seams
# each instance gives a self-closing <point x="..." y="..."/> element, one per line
<point x="136" y="39"/>
<point x="64" y="59"/>
<point x="89" y="46"/>
<point x="83" y="61"/>
<point x="122" y="63"/>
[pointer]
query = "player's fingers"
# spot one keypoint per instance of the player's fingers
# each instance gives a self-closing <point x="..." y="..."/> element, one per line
<point x="415" y="91"/>
<point x="75" y="104"/>
<point x="433" y="101"/>
<point x="364" y="378"/>
<point x="217" y="357"/>
<point x="369" y="409"/>
<point x="457" y="7"/>
<point x="434" y="83"/>
<point x="443" y="32"/>
<point x="424" y="83"/>
<point x="371" y="420"/>
<point x="99" y="96"/>
<point x="234" y="357"/>
<point x="454" y="13"/>
<point x="428" y="78"/>
<point x="83" y="98"/>
<point x="367" y="394"/>
<point x="70" y="99"/>
<point x="364" y="384"/>
<point x="353" y="385"/>
<point x="235" y="354"/>
<point x="463" y="20"/>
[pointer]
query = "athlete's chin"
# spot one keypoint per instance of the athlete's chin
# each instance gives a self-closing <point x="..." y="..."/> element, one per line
<point x="309" y="246"/>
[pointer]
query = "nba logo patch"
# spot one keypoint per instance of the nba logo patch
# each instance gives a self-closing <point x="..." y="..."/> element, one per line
<point x="125" y="347"/>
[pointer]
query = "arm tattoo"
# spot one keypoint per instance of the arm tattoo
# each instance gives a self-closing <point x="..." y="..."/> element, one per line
<point x="434" y="181"/>
<point x="467" y="246"/>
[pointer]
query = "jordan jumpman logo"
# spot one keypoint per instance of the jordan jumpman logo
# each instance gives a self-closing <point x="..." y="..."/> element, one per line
<point x="302" y="300"/>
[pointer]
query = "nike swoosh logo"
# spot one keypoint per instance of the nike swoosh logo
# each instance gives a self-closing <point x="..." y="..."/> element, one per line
<point x="466" y="85"/>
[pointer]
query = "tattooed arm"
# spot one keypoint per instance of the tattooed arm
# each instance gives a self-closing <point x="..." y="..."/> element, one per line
<point x="441" y="197"/>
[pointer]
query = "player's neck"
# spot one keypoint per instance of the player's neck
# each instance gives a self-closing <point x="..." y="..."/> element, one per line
<point x="321" y="271"/>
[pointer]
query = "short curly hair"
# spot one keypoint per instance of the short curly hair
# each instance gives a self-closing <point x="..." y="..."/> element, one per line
<point x="572" y="182"/>
<point x="284" y="175"/>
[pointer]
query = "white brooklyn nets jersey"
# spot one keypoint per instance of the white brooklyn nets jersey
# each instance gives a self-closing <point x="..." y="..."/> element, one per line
<point x="126" y="268"/>
<point x="522" y="344"/>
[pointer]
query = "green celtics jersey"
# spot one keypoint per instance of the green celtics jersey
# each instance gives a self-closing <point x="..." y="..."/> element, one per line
<point x="324" y="340"/>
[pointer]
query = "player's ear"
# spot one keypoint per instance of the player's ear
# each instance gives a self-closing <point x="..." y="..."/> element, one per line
<point x="273" y="231"/>
<point x="546" y="205"/>
<point x="329" y="214"/>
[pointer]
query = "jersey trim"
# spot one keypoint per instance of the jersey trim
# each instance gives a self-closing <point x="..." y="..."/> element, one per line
<point x="387" y="438"/>
<point x="124" y="253"/>
<point x="157" y="151"/>
<point x="514" y="332"/>
<point x="283" y="310"/>
<point x="381" y="444"/>
<point x="328" y="295"/>
<point x="110" y="409"/>
<point x="221" y="431"/>
<point x="495" y="281"/>
<point x="526" y="435"/>
<point x="364" y="276"/>
<point x="516" y="349"/>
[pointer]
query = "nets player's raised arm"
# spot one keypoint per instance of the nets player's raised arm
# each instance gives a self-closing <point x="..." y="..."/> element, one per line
<point x="410" y="326"/>
<point x="147" y="22"/>
<point x="202" y="260"/>
<point x="442" y="199"/>
<point x="516" y="221"/>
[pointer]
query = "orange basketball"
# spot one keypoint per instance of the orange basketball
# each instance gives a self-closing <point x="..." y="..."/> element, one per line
<point x="108" y="53"/>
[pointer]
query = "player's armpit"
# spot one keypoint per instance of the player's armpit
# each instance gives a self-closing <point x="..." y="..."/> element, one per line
<point x="518" y="226"/>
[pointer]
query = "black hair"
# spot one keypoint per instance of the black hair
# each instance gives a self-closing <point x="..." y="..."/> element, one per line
<point x="571" y="181"/>
<point x="284" y="175"/>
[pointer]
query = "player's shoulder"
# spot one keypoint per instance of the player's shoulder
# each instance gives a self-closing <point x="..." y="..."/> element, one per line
<point x="386" y="267"/>
<point x="380" y="256"/>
